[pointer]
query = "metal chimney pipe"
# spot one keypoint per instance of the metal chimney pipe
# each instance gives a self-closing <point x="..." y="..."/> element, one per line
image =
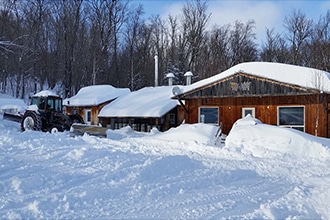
<point x="156" y="70"/>
<point x="170" y="77"/>
<point x="188" y="76"/>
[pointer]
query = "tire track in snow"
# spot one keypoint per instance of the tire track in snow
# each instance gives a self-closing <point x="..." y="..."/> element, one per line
<point x="219" y="201"/>
<point x="221" y="198"/>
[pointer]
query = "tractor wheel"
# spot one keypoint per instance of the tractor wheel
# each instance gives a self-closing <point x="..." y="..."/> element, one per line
<point x="55" y="129"/>
<point x="31" y="122"/>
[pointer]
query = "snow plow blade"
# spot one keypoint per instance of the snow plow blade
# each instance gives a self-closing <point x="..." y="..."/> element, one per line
<point x="80" y="129"/>
<point x="12" y="117"/>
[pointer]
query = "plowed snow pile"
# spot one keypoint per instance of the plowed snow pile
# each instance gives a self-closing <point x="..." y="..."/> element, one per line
<point x="261" y="172"/>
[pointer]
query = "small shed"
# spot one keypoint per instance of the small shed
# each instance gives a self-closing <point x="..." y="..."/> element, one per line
<point x="143" y="109"/>
<point x="91" y="99"/>
<point x="278" y="94"/>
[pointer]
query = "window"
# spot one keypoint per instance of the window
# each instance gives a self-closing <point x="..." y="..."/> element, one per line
<point x="50" y="104"/>
<point x="34" y="100"/>
<point x="291" y="116"/>
<point x="58" y="105"/>
<point x="88" y="116"/>
<point x="42" y="103"/>
<point x="246" y="111"/>
<point x="209" y="115"/>
<point x="172" y="118"/>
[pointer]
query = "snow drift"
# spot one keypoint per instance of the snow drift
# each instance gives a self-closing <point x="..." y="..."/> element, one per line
<point x="261" y="140"/>
<point x="262" y="172"/>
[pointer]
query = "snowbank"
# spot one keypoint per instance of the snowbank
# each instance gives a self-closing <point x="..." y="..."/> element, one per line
<point x="202" y="134"/>
<point x="199" y="133"/>
<point x="262" y="140"/>
<point x="11" y="105"/>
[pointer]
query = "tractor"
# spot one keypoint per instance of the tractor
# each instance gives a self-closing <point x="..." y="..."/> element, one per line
<point x="45" y="113"/>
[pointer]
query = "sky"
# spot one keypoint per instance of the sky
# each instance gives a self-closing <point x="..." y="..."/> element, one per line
<point x="266" y="14"/>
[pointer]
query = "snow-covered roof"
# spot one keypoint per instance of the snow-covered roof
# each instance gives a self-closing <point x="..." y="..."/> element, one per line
<point x="146" y="102"/>
<point x="95" y="95"/>
<point x="45" y="93"/>
<point x="286" y="73"/>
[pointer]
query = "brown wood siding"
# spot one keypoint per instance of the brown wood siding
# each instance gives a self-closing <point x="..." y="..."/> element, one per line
<point x="94" y="114"/>
<point x="95" y="110"/>
<point x="230" y="110"/>
<point x="328" y="119"/>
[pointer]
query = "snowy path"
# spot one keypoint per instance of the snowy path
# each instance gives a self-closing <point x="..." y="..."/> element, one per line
<point x="146" y="176"/>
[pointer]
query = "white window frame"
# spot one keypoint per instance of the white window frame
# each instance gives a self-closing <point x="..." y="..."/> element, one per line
<point x="199" y="114"/>
<point x="291" y="126"/>
<point x="86" y="116"/>
<point x="253" y="109"/>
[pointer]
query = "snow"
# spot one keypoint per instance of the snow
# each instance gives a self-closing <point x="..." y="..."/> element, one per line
<point x="45" y="93"/>
<point x="170" y="75"/>
<point x="276" y="140"/>
<point x="286" y="73"/>
<point x="11" y="105"/>
<point x="146" y="102"/>
<point x="95" y="95"/>
<point x="189" y="73"/>
<point x="261" y="172"/>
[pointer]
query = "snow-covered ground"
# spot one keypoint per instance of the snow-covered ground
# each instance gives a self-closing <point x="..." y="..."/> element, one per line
<point x="261" y="172"/>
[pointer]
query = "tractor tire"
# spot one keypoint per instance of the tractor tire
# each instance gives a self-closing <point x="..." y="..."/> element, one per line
<point x="31" y="122"/>
<point x="55" y="129"/>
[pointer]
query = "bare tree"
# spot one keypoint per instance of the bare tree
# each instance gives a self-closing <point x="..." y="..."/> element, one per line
<point x="107" y="19"/>
<point x="219" y="44"/>
<point x="299" y="29"/>
<point x="162" y="41"/>
<point x="242" y="43"/>
<point x="75" y="43"/>
<point x="19" y="70"/>
<point x="275" y="49"/>
<point x="37" y="21"/>
<point x="319" y="47"/>
<point x="7" y="21"/>
<point x="173" y="48"/>
<point x="133" y="32"/>
<point x="194" y="23"/>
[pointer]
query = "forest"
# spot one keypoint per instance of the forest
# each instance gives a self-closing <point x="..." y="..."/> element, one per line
<point x="68" y="44"/>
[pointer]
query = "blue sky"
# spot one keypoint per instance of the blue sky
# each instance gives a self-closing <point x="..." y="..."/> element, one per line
<point x="268" y="14"/>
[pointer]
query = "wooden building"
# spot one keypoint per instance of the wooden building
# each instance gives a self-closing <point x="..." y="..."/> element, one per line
<point x="91" y="99"/>
<point x="277" y="94"/>
<point x="143" y="109"/>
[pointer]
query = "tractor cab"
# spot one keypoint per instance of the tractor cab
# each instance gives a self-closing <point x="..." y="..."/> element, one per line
<point x="47" y="103"/>
<point x="45" y="113"/>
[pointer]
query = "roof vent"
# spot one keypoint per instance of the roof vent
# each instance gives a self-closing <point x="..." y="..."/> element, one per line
<point x="188" y="76"/>
<point x="170" y="77"/>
